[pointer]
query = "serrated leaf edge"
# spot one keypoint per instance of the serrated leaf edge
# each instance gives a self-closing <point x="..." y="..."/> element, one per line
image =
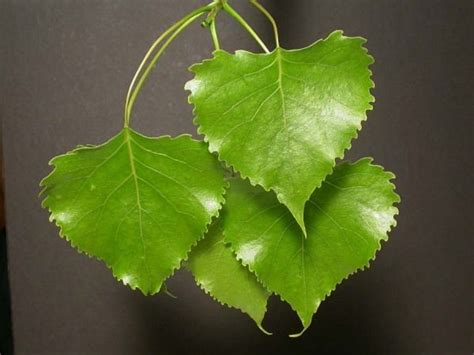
<point x="396" y="200"/>
<point x="209" y="293"/>
<point x="259" y="182"/>
<point x="133" y="286"/>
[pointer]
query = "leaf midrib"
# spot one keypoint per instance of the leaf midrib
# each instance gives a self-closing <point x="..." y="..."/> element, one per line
<point x="279" y="61"/>
<point x="137" y="190"/>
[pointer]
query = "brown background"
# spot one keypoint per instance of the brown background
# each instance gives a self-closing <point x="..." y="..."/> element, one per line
<point x="65" y="67"/>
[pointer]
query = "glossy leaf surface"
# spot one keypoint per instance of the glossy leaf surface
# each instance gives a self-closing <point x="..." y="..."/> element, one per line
<point x="137" y="203"/>
<point x="346" y="219"/>
<point x="223" y="277"/>
<point x="281" y="119"/>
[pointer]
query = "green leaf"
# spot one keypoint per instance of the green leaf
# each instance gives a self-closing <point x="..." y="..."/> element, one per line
<point x="281" y="119"/>
<point x="346" y="219"/>
<point x="221" y="275"/>
<point x="137" y="203"/>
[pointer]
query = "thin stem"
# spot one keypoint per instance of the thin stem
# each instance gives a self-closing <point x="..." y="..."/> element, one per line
<point x="215" y="37"/>
<point x="270" y="18"/>
<point x="177" y="28"/>
<point x="143" y="62"/>
<point x="152" y="63"/>
<point x="245" y="25"/>
<point x="210" y="22"/>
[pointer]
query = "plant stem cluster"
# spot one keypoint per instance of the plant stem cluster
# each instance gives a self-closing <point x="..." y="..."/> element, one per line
<point x="159" y="47"/>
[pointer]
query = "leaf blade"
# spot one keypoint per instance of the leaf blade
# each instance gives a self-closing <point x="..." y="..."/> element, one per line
<point x="345" y="228"/>
<point x="218" y="272"/>
<point x="289" y="114"/>
<point x="125" y="201"/>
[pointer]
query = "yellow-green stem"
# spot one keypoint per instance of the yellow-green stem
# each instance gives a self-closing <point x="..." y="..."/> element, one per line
<point x="230" y="10"/>
<point x="170" y="34"/>
<point x="174" y="30"/>
<point x="215" y="37"/>
<point x="270" y="18"/>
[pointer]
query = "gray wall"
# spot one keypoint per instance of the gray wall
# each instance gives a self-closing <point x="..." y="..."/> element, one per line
<point x="65" y="68"/>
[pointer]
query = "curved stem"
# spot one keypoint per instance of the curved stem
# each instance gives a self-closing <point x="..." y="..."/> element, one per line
<point x="245" y="25"/>
<point x="270" y="18"/>
<point x="177" y="28"/>
<point x="215" y="37"/>
<point x="210" y="22"/>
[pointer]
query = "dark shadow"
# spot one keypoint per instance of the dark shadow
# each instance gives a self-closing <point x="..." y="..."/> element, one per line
<point x="6" y="341"/>
<point x="6" y="344"/>
<point x="285" y="13"/>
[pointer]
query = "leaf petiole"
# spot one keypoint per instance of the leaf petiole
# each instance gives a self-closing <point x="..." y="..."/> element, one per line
<point x="210" y="22"/>
<point x="230" y="10"/>
<point x="173" y="32"/>
<point x="215" y="37"/>
<point x="270" y="18"/>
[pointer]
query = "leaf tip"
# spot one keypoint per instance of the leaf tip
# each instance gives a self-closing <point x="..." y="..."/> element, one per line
<point x="263" y="330"/>
<point x="297" y="335"/>
<point x="299" y="217"/>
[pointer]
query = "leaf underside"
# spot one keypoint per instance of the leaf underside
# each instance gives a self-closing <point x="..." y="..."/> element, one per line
<point x="223" y="277"/>
<point x="346" y="219"/>
<point x="282" y="119"/>
<point x="137" y="203"/>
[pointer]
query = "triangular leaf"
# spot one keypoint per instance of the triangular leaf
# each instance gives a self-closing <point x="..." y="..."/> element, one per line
<point x="137" y="203"/>
<point x="281" y="119"/>
<point x="220" y="274"/>
<point x="346" y="219"/>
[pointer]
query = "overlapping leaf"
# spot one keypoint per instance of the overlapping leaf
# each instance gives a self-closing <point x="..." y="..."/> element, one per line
<point x="135" y="202"/>
<point x="281" y="119"/>
<point x="221" y="275"/>
<point x="346" y="218"/>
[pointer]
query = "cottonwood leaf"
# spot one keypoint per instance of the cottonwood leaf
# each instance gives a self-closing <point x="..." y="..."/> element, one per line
<point x="346" y="219"/>
<point x="218" y="272"/>
<point x="281" y="119"/>
<point x="137" y="203"/>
